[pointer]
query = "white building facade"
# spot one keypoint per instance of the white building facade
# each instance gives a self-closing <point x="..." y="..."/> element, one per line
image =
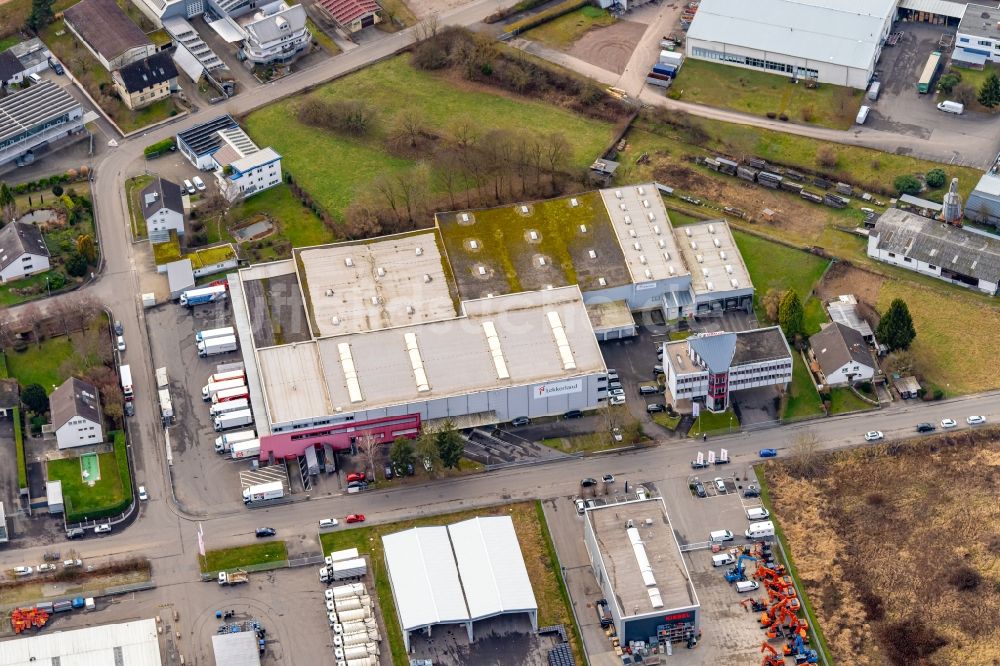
<point x="22" y="252"/>
<point x="76" y="414"/>
<point x="258" y="171"/>
<point x="832" y="41"/>
<point x="277" y="34"/>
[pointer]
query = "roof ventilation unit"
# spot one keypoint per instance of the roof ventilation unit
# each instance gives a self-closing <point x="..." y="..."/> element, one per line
<point x="410" y="310"/>
<point x="329" y="292"/>
<point x="670" y="269"/>
<point x="623" y="206"/>
<point x="704" y="271"/>
<point x="419" y="251"/>
<point x="618" y="194"/>
<point x="645" y="203"/>
<point x="593" y="255"/>
<point x="374" y="300"/>
<point x="602" y="282"/>
<point x="335" y="320"/>
<point x="694" y="245"/>
<point x="474" y="244"/>
<point x="700" y="258"/>
<point x="380" y="271"/>
<point x="642" y="259"/>
<point x="729" y="269"/>
<point x="427" y="277"/>
<point x="628" y="219"/>
<point x="583" y="228"/>
<point x="465" y="217"/>
<point x="533" y="235"/>
<point x="656" y="229"/>
<point x="662" y="243"/>
<point x="649" y="274"/>
<point x="711" y="228"/>
<point x="637" y="246"/>
<point x="640" y="190"/>
<point x="541" y="261"/>
<point x="735" y="283"/>
<point x="348" y="262"/>
<point x="716" y="242"/>
<point x="482" y="270"/>
<point x="710" y="285"/>
<point x="652" y="217"/>
<point x="524" y="210"/>
<point x="722" y="255"/>
<point x="574" y="203"/>
<point x="632" y="233"/>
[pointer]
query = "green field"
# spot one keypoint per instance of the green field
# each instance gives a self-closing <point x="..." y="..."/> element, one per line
<point x="760" y="93"/>
<point x="333" y="168"/>
<point x="296" y="223"/>
<point x="536" y="547"/>
<point x="802" y="400"/>
<point x="107" y="497"/>
<point x="775" y="266"/>
<point x="707" y="422"/>
<point x="561" y="32"/>
<point x="40" y="364"/>
<point x="133" y="186"/>
<point x="243" y="556"/>
<point x="843" y="400"/>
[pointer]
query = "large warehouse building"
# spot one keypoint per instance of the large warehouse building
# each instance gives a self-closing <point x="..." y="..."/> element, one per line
<point x="641" y="572"/>
<point x="461" y="574"/>
<point x="133" y="643"/>
<point x="491" y="315"/>
<point x="831" y="41"/>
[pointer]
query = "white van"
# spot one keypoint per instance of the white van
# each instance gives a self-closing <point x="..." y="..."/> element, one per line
<point x="952" y="107"/>
<point x="722" y="559"/>
<point x="757" y="514"/>
<point x="641" y="493"/>
<point x="720" y="536"/>
<point x="35" y="78"/>
<point x="746" y="586"/>
<point x="760" y="530"/>
<point x="863" y="115"/>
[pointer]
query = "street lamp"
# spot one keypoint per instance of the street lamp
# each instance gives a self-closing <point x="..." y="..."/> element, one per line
<point x="48" y="290"/>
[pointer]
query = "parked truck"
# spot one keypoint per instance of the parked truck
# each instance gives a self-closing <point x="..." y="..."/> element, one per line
<point x="223" y="443"/>
<point x="193" y="297"/>
<point x="226" y="407"/>
<point x="209" y="390"/>
<point x="201" y="336"/>
<point x="228" y="374"/>
<point x="346" y="569"/>
<point x="233" y="577"/>
<point x="215" y="346"/>
<point x="247" y="449"/>
<point x="166" y="406"/>
<point x="231" y="394"/>
<point x="244" y="417"/>
<point x="264" y="491"/>
<point x="126" y="375"/>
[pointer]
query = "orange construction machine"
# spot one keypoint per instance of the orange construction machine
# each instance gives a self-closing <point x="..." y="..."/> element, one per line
<point x="771" y="656"/>
<point x="25" y="618"/>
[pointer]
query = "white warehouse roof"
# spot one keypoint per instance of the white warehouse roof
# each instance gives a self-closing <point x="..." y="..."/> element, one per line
<point x="130" y="643"/>
<point x="467" y="571"/>
<point x="491" y="567"/>
<point x="840" y="32"/>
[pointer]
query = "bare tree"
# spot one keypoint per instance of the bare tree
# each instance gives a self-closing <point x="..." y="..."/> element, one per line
<point x="369" y="447"/>
<point x="414" y="189"/>
<point x="447" y="173"/>
<point x="106" y="381"/>
<point x="408" y="128"/>
<point x="427" y="28"/>
<point x="807" y="458"/>
<point x="385" y="186"/>
<point x="557" y="155"/>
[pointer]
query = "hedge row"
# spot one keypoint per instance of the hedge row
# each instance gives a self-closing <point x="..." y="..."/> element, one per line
<point x="22" y="464"/>
<point x="159" y="148"/>
<point x="549" y="14"/>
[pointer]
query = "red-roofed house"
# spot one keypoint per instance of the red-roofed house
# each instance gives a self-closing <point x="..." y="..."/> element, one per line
<point x="352" y="15"/>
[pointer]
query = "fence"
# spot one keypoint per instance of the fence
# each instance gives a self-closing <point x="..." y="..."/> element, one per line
<point x="210" y="576"/>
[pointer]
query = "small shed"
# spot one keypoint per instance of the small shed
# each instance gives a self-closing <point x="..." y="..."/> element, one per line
<point x="602" y="171"/>
<point x="238" y="649"/>
<point x="10" y="396"/>
<point x="180" y="277"/>
<point x="54" y="496"/>
<point x="906" y="386"/>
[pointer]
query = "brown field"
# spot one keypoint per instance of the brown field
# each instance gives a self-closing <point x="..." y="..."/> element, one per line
<point x="897" y="546"/>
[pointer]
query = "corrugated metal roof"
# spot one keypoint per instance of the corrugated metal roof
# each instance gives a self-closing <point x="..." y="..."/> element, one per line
<point x="491" y="567"/>
<point x="845" y="32"/>
<point x="239" y="649"/>
<point x="132" y="643"/>
<point x="939" y="7"/>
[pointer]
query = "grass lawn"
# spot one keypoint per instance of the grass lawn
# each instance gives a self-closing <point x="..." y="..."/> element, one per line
<point x="843" y="400"/>
<point x="243" y="556"/>
<point x="943" y="321"/>
<point x="759" y="93"/>
<point x="667" y="421"/>
<point x="679" y="335"/>
<point x="536" y="547"/>
<point x="975" y="78"/>
<point x="80" y="499"/>
<point x="814" y="316"/>
<point x="8" y="295"/>
<point x="709" y="422"/>
<point x="10" y="41"/>
<point x="775" y="266"/>
<point x="595" y="441"/>
<point x="322" y="38"/>
<point x="297" y="223"/>
<point x="316" y="158"/>
<point x="40" y="364"/>
<point x="679" y="218"/>
<point x="802" y="400"/>
<point x="133" y="186"/>
<point x="560" y="33"/>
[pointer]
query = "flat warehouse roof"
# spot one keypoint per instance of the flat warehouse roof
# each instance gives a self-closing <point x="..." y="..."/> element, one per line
<point x="371" y="285"/>
<point x="131" y="643"/>
<point x="980" y="21"/>
<point x="643" y="228"/>
<point x="715" y="261"/>
<point x="839" y="32"/>
<point x="511" y="340"/>
<point x="643" y="561"/>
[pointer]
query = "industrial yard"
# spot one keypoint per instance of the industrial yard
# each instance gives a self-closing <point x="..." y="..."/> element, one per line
<point x="890" y="568"/>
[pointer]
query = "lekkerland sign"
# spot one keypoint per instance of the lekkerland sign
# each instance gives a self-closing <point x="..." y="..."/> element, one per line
<point x="558" y="388"/>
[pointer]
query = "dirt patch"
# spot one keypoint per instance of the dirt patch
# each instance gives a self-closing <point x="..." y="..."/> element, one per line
<point x="609" y="48"/>
<point x="892" y="569"/>
<point x="846" y="279"/>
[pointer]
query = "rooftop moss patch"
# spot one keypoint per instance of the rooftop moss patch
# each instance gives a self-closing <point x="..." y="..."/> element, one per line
<point x="533" y="245"/>
<point x="210" y="256"/>
<point x="164" y="253"/>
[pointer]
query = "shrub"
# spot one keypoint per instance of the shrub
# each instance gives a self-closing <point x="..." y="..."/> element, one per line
<point x="948" y="82"/>
<point x="57" y="280"/>
<point x="57" y="190"/>
<point x="826" y="157"/>
<point x="964" y="578"/>
<point x="76" y="265"/>
<point x="936" y="178"/>
<point x="907" y="184"/>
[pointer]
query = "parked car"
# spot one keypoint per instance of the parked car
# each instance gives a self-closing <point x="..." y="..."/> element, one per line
<point x="47" y="566"/>
<point x="129" y="408"/>
<point x="616" y="400"/>
<point x="388" y="472"/>
<point x="616" y="384"/>
<point x="608" y="478"/>
<point x="768" y="453"/>
<point x="588" y="482"/>
<point x="74" y="533"/>
<point x="23" y="571"/>
<point x="617" y="393"/>
<point x="581" y="506"/>
<point x="189" y="186"/>
<point x="199" y="183"/>
<point x="409" y="469"/>
<point x="948" y="423"/>
<point x="699" y="489"/>
<point x="646" y="389"/>
<point x="976" y="420"/>
<point x="56" y="67"/>
<point x="873" y="435"/>
<point x="121" y="343"/>
<point x="72" y="564"/>
<point x="119" y="329"/>
<point x="355" y="518"/>
<point x="325" y="523"/>
<point x="520" y="421"/>
<point x="262" y="532"/>
<point x="104" y="528"/>
<point x="720" y="485"/>
<point x="355" y="476"/>
<point x="573" y="414"/>
<point x="925" y="427"/>
<point x="752" y="490"/>
<point x="143" y="496"/>
<point x="699" y="465"/>
<point x="655" y="407"/>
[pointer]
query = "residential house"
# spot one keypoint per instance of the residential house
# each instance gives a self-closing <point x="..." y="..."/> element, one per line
<point x="163" y="209"/>
<point x="76" y="414"/>
<point x="220" y="145"/>
<point x="10" y="396"/>
<point x="352" y="15"/>
<point x="28" y="57"/>
<point x="108" y="32"/>
<point x="146" y="81"/>
<point x="844" y="310"/>
<point x="708" y="367"/>
<point x="961" y="256"/>
<point x="842" y="355"/>
<point x="22" y="251"/>
<point x="276" y="33"/>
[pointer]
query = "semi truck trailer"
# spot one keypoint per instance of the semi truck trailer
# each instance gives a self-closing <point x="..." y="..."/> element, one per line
<point x="209" y="390"/>
<point x="201" y="336"/>
<point x="193" y="297"/>
<point x="231" y="394"/>
<point x="247" y="449"/>
<point x="223" y="443"/>
<point x="221" y="408"/>
<point x="126" y="375"/>
<point x="216" y="346"/>
<point x="264" y="491"/>
<point x="243" y="417"/>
